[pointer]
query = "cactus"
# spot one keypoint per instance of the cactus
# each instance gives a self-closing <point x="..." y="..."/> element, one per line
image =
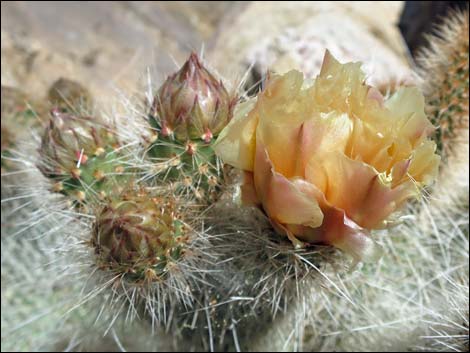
<point x="20" y="111"/>
<point x="210" y="274"/>
<point x="444" y="72"/>
<point x="443" y="68"/>
<point x="139" y="236"/>
<point x="79" y="153"/>
<point x="19" y="115"/>
<point x="187" y="114"/>
<point x="81" y="157"/>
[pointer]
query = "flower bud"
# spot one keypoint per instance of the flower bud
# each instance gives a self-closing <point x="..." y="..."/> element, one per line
<point x="137" y="234"/>
<point x="192" y="104"/>
<point x="69" y="141"/>
<point x="68" y="95"/>
<point x="82" y="155"/>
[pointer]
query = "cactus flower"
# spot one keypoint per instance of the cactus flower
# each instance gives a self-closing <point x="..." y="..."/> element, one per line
<point x="330" y="161"/>
<point x="192" y="104"/>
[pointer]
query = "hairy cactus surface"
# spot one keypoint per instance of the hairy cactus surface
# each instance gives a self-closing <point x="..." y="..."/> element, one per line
<point x="19" y="115"/>
<point x="443" y="67"/>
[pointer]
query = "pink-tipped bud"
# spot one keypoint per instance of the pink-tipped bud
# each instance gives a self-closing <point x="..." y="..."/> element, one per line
<point x="166" y="131"/>
<point x="68" y="141"/>
<point x="192" y="103"/>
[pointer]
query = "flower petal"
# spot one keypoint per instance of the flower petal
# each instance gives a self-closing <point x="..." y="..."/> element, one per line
<point x="346" y="235"/>
<point x="282" y="108"/>
<point x="236" y="143"/>
<point x="322" y="135"/>
<point x="399" y="171"/>
<point x="340" y="87"/>
<point x="424" y="163"/>
<point x="337" y="230"/>
<point x="407" y="108"/>
<point x="358" y="189"/>
<point x="283" y="200"/>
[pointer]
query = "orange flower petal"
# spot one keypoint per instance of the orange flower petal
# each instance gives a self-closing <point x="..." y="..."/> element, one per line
<point x="282" y="110"/>
<point x="407" y="108"/>
<point x="361" y="192"/>
<point x="337" y="230"/>
<point x="321" y="135"/>
<point x="399" y="171"/>
<point x="343" y="233"/>
<point x="339" y="87"/>
<point x="283" y="200"/>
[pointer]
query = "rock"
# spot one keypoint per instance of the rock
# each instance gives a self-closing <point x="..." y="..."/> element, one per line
<point x="284" y="36"/>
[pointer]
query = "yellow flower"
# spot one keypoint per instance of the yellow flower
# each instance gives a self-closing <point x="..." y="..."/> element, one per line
<point x="330" y="161"/>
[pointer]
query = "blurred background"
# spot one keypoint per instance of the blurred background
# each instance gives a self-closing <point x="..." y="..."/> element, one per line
<point x="109" y="45"/>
